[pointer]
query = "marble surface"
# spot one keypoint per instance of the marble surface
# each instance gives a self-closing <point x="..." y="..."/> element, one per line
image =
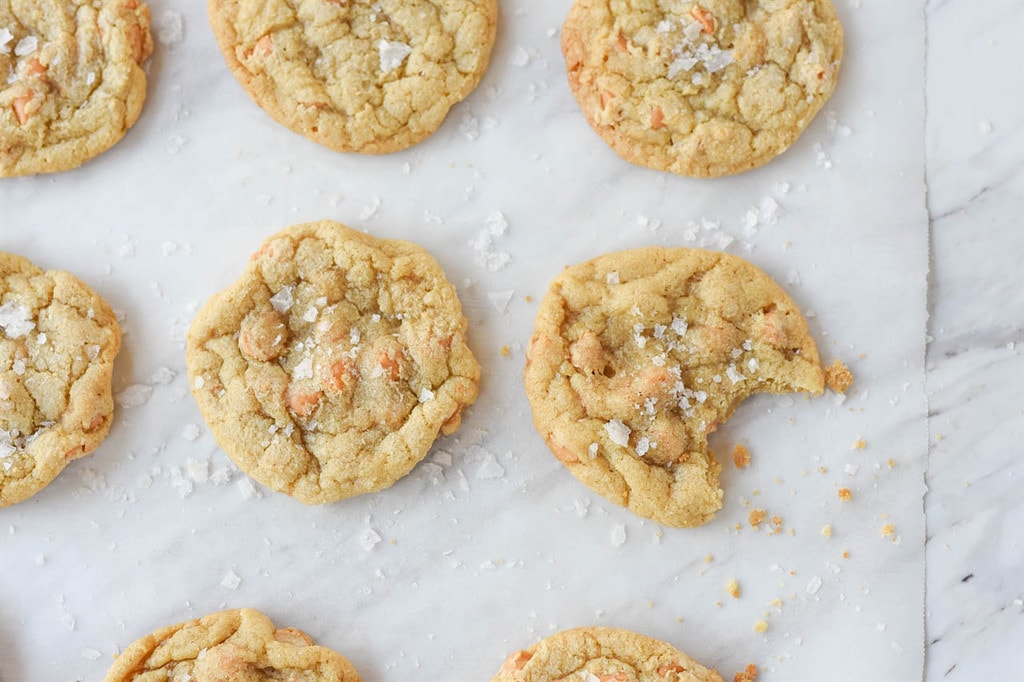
<point x="490" y="544"/>
<point x="975" y="506"/>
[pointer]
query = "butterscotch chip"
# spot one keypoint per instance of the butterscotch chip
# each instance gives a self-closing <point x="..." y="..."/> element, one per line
<point x="371" y="76"/>
<point x="705" y="88"/>
<point x="637" y="356"/>
<point x="58" y="341"/>
<point x="71" y="81"/>
<point x="600" y="654"/>
<point x="240" y="645"/>
<point x="838" y="377"/>
<point x="332" y="364"/>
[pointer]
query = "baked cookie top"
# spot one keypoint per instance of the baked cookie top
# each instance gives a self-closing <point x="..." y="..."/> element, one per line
<point x="638" y="355"/>
<point x="71" y="83"/>
<point x="240" y="645"/>
<point x="371" y="76"/>
<point x="330" y="367"/>
<point x="600" y="654"/>
<point x="705" y="88"/>
<point x="58" y="341"/>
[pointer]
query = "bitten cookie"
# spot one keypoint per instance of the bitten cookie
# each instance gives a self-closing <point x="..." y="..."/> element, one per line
<point x="331" y="366"/>
<point x="637" y="356"/>
<point x="600" y="654"/>
<point x="71" y="81"/>
<point x="371" y="76"/>
<point x="239" y="645"/>
<point x="705" y="88"/>
<point x="58" y="341"/>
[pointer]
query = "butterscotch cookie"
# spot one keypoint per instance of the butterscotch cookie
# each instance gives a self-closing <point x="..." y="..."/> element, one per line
<point x="600" y="654"/>
<point x="331" y="366"/>
<point x="58" y="341"/>
<point x="371" y="76"/>
<point x="71" y="81"/>
<point x="637" y="356"/>
<point x="240" y="645"/>
<point x="703" y="88"/>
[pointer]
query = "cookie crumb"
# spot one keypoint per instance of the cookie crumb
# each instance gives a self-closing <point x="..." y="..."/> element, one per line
<point x="506" y="351"/>
<point x="845" y="494"/>
<point x="846" y="554"/>
<point x="740" y="457"/>
<point x="749" y="674"/>
<point x="827" y="531"/>
<point x="733" y="588"/>
<point x="860" y="444"/>
<point x="888" y="530"/>
<point x="761" y="626"/>
<point x="756" y="517"/>
<point x="838" y="377"/>
<point x="708" y="559"/>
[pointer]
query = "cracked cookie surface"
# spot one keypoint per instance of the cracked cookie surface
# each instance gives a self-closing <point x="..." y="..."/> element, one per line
<point x="71" y="81"/>
<point x="241" y="645"/>
<point x="637" y="356"/>
<point x="58" y="341"/>
<point x="331" y="366"/>
<point x="705" y="88"/>
<point x="370" y="76"/>
<point x="602" y="654"/>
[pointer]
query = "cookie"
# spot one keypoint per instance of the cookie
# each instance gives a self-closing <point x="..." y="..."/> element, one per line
<point x="330" y="367"/>
<point x="238" y="645"/>
<point x="705" y="88"/>
<point x="637" y="356"/>
<point x="370" y="76"/>
<point x="58" y="341"/>
<point x="600" y="654"/>
<point x="71" y="81"/>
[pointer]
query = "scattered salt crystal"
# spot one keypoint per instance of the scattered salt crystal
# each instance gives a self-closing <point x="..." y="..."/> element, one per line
<point x="734" y="376"/>
<point x="26" y="46"/>
<point x="68" y="621"/>
<point x="392" y="54"/>
<point x="134" y="396"/>
<point x="15" y="320"/>
<point x="90" y="654"/>
<point x="490" y="468"/>
<point x="880" y="627"/>
<point x="426" y="395"/>
<point x="618" y="536"/>
<point x="469" y="126"/>
<point x="813" y="585"/>
<point x="612" y="277"/>
<point x="283" y="300"/>
<point x="303" y="370"/>
<point x="851" y="469"/>
<point x="643" y="445"/>
<point x="592" y="450"/>
<point x="231" y="580"/>
<point x="246" y="487"/>
<point x="581" y="506"/>
<point x="443" y="458"/>
<point x="520" y="57"/>
<point x="369" y="539"/>
<point x="190" y="432"/>
<point x="5" y="38"/>
<point x="618" y="432"/>
<point x="985" y="126"/>
<point x="198" y="470"/>
<point x="501" y="299"/>
<point x="162" y="375"/>
<point x="170" y="27"/>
